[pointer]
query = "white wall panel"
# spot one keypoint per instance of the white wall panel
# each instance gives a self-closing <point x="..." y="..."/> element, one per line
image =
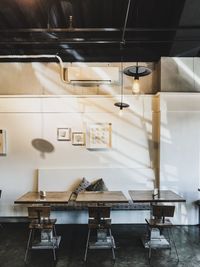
<point x="180" y="150"/>
<point x="180" y="74"/>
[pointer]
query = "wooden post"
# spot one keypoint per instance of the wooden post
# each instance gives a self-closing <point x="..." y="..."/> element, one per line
<point x="156" y="139"/>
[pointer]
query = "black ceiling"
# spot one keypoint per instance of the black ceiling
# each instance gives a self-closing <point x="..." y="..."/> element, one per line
<point x="98" y="30"/>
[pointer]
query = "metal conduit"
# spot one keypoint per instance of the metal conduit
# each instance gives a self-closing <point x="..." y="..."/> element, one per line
<point x="62" y="69"/>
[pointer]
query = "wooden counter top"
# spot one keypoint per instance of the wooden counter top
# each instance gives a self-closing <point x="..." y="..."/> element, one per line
<point x="51" y="198"/>
<point x="147" y="196"/>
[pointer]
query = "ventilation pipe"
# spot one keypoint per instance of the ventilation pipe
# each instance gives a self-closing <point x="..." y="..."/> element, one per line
<point x="62" y="68"/>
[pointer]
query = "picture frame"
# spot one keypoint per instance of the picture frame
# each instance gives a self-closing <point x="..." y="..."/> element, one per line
<point x="2" y="142"/>
<point x="99" y="136"/>
<point x="63" y="134"/>
<point x="78" y="138"/>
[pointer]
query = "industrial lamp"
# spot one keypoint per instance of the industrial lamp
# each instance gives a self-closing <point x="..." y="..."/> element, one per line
<point x="121" y="104"/>
<point x="136" y="72"/>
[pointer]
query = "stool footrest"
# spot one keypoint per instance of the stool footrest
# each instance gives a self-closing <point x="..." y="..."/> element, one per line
<point x="107" y="244"/>
<point x="47" y="244"/>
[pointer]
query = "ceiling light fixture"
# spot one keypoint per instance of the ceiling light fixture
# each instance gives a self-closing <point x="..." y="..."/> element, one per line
<point x="121" y="104"/>
<point x="136" y="72"/>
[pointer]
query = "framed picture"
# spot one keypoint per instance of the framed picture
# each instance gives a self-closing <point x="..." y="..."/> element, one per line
<point x="2" y="142"/>
<point x="99" y="136"/>
<point x="78" y="138"/>
<point x="64" y="134"/>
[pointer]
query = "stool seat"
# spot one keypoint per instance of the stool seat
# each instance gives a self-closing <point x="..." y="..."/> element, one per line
<point x="96" y="224"/>
<point x="44" y="224"/>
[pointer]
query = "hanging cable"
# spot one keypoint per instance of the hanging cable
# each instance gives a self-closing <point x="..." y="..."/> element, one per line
<point x="125" y="21"/>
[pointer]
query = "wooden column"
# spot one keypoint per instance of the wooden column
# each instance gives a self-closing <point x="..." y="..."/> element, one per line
<point x="156" y="139"/>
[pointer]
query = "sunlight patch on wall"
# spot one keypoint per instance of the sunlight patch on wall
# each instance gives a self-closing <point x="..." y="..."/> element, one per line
<point x="187" y="70"/>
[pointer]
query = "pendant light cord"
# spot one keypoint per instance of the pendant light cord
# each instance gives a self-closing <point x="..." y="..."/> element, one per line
<point x="125" y="21"/>
<point x="121" y="71"/>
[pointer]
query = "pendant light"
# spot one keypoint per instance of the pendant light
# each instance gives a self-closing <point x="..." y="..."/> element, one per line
<point x="136" y="72"/>
<point x="121" y="104"/>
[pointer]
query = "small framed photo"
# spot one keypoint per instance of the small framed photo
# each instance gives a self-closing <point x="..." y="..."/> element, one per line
<point x="64" y="134"/>
<point x="78" y="138"/>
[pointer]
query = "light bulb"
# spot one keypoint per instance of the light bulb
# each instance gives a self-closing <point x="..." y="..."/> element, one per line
<point x="136" y="86"/>
<point x="120" y="112"/>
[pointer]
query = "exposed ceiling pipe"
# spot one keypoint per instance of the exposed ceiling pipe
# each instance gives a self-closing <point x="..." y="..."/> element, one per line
<point x="77" y="30"/>
<point x="62" y="68"/>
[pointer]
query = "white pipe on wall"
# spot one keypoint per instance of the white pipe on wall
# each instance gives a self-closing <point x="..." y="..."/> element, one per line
<point x="62" y="69"/>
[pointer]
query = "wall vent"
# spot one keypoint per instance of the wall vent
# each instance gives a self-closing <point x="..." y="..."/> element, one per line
<point x="92" y="75"/>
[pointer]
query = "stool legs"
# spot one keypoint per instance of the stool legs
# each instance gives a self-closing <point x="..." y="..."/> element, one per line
<point x="112" y="248"/>
<point x="54" y="230"/>
<point x="149" y="254"/>
<point x="31" y="236"/>
<point x="28" y="244"/>
<point x="54" y="245"/>
<point x="87" y="245"/>
<point x="55" y="235"/>
<point x="54" y="251"/>
<point x="174" y="244"/>
<point x="171" y="239"/>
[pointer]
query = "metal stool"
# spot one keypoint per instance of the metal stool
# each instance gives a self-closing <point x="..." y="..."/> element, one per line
<point x="40" y="221"/>
<point x="99" y="220"/>
<point x="159" y="223"/>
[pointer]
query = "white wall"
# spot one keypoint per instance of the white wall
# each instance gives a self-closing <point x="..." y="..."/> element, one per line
<point x="180" y="74"/>
<point x="180" y="150"/>
<point x="44" y="78"/>
<point x="28" y="118"/>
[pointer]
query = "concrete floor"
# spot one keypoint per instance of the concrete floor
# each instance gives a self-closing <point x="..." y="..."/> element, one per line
<point x="130" y="251"/>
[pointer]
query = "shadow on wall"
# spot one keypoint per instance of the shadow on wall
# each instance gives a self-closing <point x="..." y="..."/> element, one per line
<point x="43" y="146"/>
